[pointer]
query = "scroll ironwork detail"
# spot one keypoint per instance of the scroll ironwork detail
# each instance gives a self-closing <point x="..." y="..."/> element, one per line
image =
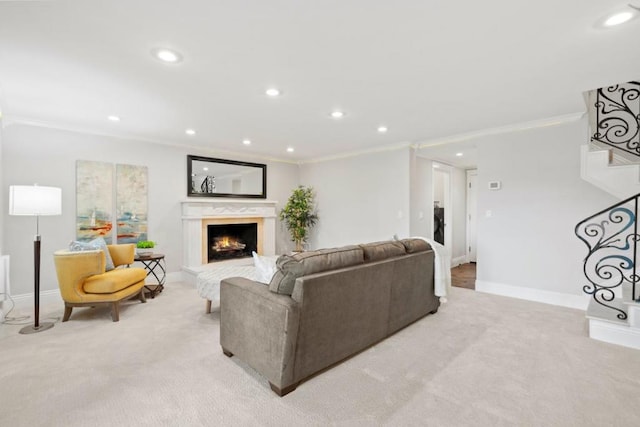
<point x="618" y="117"/>
<point x="612" y="240"/>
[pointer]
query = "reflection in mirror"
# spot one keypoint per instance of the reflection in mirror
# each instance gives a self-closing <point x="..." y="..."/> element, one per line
<point x="210" y="177"/>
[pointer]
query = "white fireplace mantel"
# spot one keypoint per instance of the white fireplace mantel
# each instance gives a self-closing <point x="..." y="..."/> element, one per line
<point x="196" y="212"/>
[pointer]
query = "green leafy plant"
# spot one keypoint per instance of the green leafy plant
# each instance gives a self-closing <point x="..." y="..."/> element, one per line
<point x="299" y="214"/>
<point x="145" y="244"/>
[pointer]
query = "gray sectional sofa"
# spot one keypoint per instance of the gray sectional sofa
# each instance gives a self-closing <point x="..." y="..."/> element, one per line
<point x="324" y="306"/>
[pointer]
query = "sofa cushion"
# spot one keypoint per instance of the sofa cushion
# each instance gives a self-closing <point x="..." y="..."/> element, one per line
<point x="114" y="280"/>
<point x="289" y="268"/>
<point x="377" y="251"/>
<point x="330" y="259"/>
<point x="415" y="245"/>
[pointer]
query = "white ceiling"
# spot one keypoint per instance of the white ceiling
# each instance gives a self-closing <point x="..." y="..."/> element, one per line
<point x="425" y="69"/>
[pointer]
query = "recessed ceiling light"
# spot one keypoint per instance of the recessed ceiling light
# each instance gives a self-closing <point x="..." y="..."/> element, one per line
<point x="190" y="132"/>
<point x="618" y="18"/>
<point x="337" y="114"/>
<point x="435" y="165"/>
<point x="246" y="142"/>
<point x="168" y="56"/>
<point x="272" y="92"/>
<point x="382" y="129"/>
<point x="459" y="154"/>
<point x="205" y="168"/>
<point x="290" y="150"/>
<point x="114" y="118"/>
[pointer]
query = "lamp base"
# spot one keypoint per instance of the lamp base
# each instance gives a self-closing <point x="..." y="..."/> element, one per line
<point x="31" y="329"/>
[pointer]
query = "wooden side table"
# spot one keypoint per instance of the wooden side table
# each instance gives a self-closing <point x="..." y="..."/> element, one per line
<point x="152" y="262"/>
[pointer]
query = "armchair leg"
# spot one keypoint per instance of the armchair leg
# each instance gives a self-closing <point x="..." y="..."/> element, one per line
<point x="141" y="296"/>
<point x="208" y="309"/>
<point x="67" y="313"/>
<point x="115" y="311"/>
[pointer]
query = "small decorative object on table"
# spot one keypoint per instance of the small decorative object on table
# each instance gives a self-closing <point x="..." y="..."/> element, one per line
<point x="145" y="247"/>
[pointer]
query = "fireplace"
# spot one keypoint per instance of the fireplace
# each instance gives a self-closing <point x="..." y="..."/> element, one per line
<point x="198" y="215"/>
<point x="230" y="241"/>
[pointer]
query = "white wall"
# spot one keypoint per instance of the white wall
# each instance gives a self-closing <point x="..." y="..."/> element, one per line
<point x="48" y="157"/>
<point x="528" y="241"/>
<point x="360" y="199"/>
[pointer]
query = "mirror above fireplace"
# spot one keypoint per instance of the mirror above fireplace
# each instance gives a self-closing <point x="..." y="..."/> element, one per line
<point x="210" y="177"/>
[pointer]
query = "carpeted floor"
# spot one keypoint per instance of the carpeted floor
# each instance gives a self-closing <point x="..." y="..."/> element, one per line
<point x="481" y="360"/>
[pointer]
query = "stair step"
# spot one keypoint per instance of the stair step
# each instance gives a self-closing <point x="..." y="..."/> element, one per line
<point x="615" y="157"/>
<point x="627" y="299"/>
<point x="620" y="180"/>
<point x="605" y="326"/>
<point x="597" y="311"/>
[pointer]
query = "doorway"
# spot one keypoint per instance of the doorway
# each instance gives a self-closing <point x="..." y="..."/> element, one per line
<point x="464" y="275"/>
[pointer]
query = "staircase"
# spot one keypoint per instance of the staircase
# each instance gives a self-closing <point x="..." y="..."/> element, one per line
<point x="611" y="162"/>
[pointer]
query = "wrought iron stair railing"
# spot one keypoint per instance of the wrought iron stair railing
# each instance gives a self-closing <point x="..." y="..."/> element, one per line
<point x="617" y="117"/>
<point x="611" y="236"/>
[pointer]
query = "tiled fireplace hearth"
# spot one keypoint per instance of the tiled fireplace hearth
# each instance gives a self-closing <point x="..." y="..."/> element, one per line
<point x="198" y="215"/>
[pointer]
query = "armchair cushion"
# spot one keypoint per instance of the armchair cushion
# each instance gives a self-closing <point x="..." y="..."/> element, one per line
<point x="113" y="281"/>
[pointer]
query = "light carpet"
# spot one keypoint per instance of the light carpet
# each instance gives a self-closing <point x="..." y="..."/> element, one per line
<point x="481" y="360"/>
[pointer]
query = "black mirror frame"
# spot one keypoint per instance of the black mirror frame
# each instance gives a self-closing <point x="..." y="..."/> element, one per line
<point x="190" y="193"/>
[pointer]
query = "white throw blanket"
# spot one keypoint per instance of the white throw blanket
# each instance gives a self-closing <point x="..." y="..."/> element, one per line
<point x="441" y="268"/>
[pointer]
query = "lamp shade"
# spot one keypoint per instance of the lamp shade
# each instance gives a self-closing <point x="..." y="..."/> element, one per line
<point x="34" y="200"/>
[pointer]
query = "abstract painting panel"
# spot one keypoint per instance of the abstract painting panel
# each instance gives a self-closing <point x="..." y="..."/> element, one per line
<point x="94" y="200"/>
<point x="131" y="203"/>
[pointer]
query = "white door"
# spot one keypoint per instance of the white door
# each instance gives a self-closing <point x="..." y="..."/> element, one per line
<point x="472" y="214"/>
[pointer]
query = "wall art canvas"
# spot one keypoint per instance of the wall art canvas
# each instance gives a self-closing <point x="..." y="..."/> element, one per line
<point x="131" y="203"/>
<point x="94" y="200"/>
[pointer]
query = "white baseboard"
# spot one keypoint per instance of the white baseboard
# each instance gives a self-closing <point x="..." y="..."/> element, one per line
<point x="27" y="300"/>
<point x="614" y="333"/>
<point x="53" y="295"/>
<point x="548" y="297"/>
<point x="173" y="277"/>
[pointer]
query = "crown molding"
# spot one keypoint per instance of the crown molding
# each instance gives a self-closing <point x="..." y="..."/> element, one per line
<point x="516" y="127"/>
<point x="346" y="155"/>
<point x="8" y="120"/>
<point x="452" y="139"/>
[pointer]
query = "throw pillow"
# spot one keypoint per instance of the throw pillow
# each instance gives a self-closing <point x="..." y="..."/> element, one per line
<point x="265" y="267"/>
<point x="415" y="245"/>
<point x="97" y="243"/>
<point x="288" y="270"/>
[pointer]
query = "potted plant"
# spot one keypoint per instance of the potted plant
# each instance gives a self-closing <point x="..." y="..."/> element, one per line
<point x="144" y="247"/>
<point x="299" y="215"/>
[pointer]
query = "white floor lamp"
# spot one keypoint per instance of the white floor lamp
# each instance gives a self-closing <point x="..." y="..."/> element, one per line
<point x="33" y="200"/>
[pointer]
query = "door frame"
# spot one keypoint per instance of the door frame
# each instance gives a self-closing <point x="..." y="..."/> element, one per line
<point x="470" y="238"/>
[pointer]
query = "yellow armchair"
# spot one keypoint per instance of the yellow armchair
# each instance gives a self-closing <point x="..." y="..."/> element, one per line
<point x="83" y="281"/>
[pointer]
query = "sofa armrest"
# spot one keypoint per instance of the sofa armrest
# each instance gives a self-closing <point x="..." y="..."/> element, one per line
<point x="260" y="327"/>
